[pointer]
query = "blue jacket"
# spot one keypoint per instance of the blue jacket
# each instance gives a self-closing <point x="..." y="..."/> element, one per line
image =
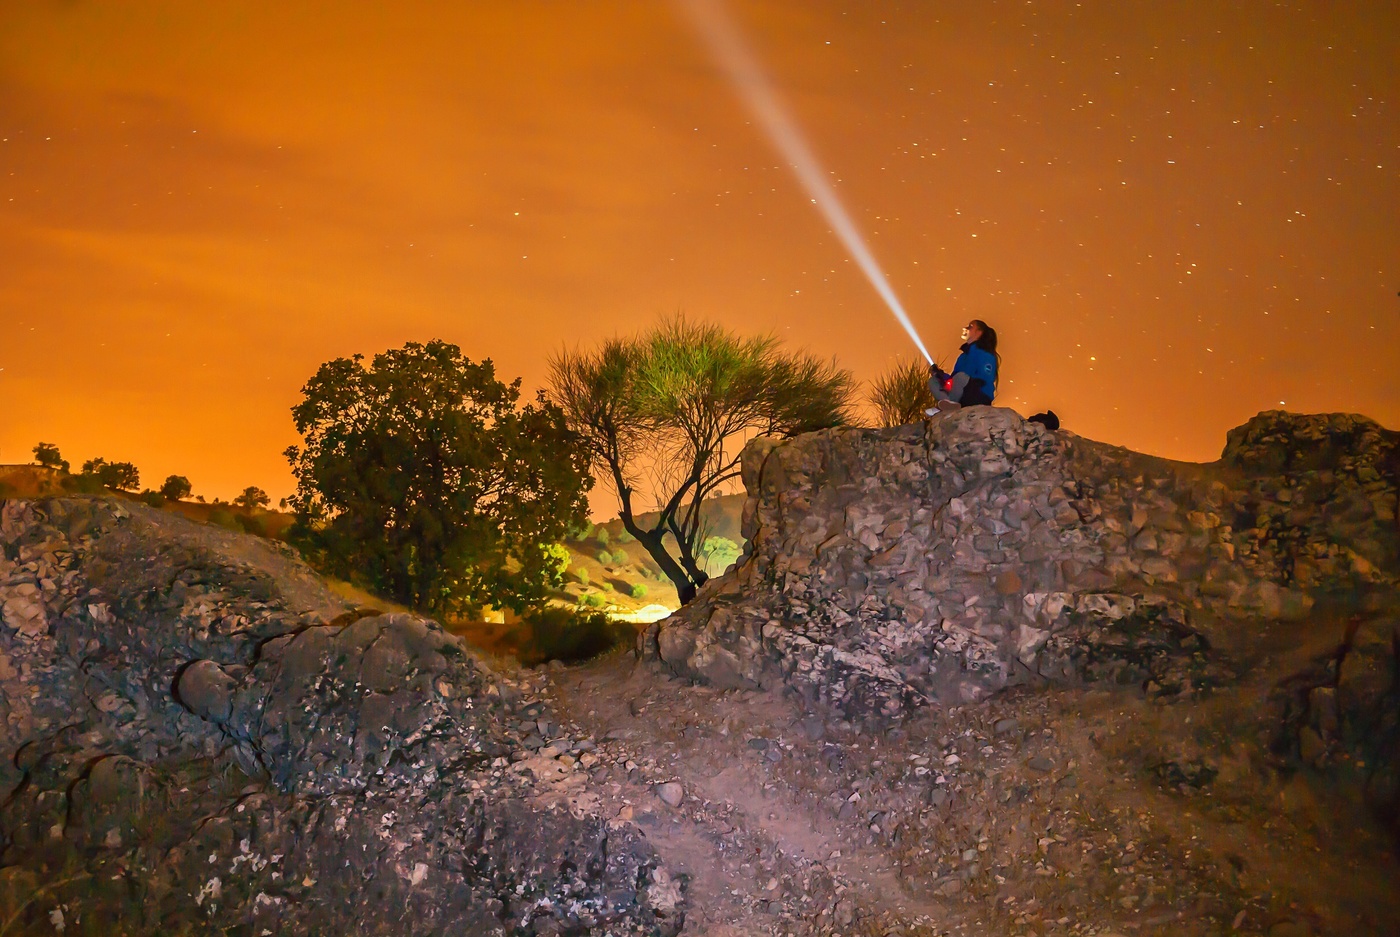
<point x="974" y="362"/>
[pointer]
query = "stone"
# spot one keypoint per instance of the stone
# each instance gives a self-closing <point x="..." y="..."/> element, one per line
<point x="671" y="793"/>
<point x="206" y="690"/>
<point x="1008" y="583"/>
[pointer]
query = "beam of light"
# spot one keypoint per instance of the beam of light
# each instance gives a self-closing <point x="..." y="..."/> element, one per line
<point x="743" y="69"/>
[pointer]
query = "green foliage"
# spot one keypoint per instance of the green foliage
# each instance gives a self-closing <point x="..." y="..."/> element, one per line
<point x="582" y="575"/>
<point x="605" y="557"/>
<point x="592" y="600"/>
<point x="672" y="409"/>
<point x="122" y="476"/>
<point x="718" y="553"/>
<point x="255" y="524"/>
<point x="626" y="537"/>
<point x="901" y="394"/>
<point x="223" y="517"/>
<point x="153" y="498"/>
<point x="47" y="455"/>
<point x="638" y="590"/>
<point x="607" y="587"/>
<point x="422" y="476"/>
<point x="175" y="488"/>
<point x="252" y="497"/>
<point x="555" y="564"/>
<point x="581" y="532"/>
<point x="568" y="635"/>
<point x="602" y="535"/>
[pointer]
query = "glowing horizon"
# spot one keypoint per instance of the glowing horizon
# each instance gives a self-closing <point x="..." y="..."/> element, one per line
<point x="747" y="75"/>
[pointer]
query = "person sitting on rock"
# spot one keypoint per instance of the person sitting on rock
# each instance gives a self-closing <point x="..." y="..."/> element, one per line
<point x="974" y="377"/>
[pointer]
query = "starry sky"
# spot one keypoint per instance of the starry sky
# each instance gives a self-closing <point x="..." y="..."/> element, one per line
<point x="1175" y="214"/>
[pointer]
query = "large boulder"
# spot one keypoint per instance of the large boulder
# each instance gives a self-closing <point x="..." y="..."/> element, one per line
<point x="942" y="562"/>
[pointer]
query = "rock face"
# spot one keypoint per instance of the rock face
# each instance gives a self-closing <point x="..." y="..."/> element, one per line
<point x="942" y="562"/>
<point x="199" y="738"/>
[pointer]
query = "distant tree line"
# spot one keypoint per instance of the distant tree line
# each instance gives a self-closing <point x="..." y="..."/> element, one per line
<point x="98" y="473"/>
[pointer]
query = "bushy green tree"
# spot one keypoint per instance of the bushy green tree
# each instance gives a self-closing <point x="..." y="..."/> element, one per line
<point x="252" y="497"/>
<point x="901" y="394"/>
<point x="175" y="488"/>
<point x="638" y="590"/>
<point x="670" y="410"/>
<point x="47" y="455"/>
<point x="122" y="476"/>
<point x="718" y="553"/>
<point x="421" y="474"/>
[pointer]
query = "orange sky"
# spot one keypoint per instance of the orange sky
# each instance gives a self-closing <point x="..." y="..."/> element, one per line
<point x="1176" y="215"/>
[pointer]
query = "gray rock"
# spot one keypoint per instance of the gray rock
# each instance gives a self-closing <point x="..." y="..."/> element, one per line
<point x="671" y="793"/>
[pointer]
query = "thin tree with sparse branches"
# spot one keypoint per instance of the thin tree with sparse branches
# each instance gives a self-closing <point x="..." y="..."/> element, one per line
<point x="671" y="410"/>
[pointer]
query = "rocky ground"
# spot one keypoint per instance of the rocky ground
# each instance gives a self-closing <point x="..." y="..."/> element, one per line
<point x="200" y="738"/>
<point x="1158" y="700"/>
<point x="1089" y="810"/>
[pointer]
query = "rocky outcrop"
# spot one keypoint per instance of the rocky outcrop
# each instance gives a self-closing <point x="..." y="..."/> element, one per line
<point x="200" y="738"/>
<point x="942" y="562"/>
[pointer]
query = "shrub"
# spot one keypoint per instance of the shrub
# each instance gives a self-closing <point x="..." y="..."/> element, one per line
<point x="566" y="635"/>
<point x="82" y="484"/>
<point x="591" y="600"/>
<point x="223" y="517"/>
<point x="252" y="524"/>
<point x="602" y="534"/>
<point x="580" y="534"/>
<point x="582" y="576"/>
<point x="605" y="557"/>
<point x="607" y="587"/>
<point x="626" y="537"/>
<point x="638" y="590"/>
<point x="154" y="498"/>
<point x="901" y="394"/>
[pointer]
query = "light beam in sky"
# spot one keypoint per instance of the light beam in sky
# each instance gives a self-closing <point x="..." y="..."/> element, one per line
<point x="744" y="71"/>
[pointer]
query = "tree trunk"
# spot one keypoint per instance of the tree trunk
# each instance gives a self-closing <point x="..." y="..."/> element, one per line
<point x="651" y="539"/>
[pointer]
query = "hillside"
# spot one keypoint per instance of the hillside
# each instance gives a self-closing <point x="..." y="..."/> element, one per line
<point x="607" y="570"/>
<point x="972" y="677"/>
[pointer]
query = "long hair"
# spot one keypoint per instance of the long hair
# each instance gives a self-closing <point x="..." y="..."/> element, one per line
<point x="988" y="342"/>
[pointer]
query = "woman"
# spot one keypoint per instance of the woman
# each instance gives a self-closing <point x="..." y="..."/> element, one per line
<point x="974" y="377"/>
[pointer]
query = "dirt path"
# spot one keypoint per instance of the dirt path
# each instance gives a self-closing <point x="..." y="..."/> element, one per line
<point x="1046" y="812"/>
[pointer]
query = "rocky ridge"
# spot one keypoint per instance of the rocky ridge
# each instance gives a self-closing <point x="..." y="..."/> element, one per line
<point x="940" y="563"/>
<point x="200" y="737"/>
